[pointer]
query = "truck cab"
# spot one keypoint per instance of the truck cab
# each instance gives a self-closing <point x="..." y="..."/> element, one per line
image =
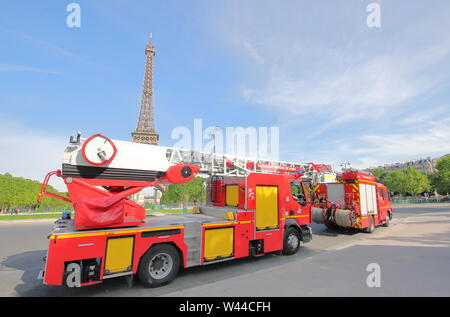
<point x="273" y="202"/>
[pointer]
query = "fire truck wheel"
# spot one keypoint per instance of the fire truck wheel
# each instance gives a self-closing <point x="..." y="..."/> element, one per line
<point x="291" y="241"/>
<point x="388" y="221"/>
<point x="159" y="265"/>
<point x="371" y="226"/>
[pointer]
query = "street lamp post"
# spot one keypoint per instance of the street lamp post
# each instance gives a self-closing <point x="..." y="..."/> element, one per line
<point x="213" y="135"/>
<point x="345" y="166"/>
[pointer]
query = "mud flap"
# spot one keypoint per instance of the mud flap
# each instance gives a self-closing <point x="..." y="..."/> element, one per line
<point x="306" y="233"/>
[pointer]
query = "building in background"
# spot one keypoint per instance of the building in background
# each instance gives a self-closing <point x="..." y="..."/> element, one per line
<point x="148" y="196"/>
<point x="425" y="165"/>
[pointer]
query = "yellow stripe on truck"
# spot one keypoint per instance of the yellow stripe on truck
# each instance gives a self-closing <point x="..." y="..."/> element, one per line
<point x="79" y="235"/>
<point x="104" y="233"/>
<point x="159" y="228"/>
<point x="298" y="216"/>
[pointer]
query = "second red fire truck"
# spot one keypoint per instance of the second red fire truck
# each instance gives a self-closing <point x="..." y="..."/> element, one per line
<point x="355" y="201"/>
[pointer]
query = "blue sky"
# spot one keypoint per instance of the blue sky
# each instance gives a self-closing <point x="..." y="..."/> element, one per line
<point x="338" y="90"/>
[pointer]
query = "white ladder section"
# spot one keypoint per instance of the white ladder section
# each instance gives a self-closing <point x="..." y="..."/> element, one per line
<point x="229" y="165"/>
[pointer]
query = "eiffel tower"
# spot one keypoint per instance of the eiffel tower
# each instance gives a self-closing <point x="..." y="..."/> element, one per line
<point x="145" y="130"/>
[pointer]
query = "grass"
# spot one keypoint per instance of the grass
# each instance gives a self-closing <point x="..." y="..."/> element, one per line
<point x="56" y="215"/>
<point x="25" y="217"/>
<point x="170" y="211"/>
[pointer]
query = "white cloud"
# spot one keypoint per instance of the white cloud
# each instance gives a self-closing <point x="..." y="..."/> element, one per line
<point x="324" y="73"/>
<point x="23" y="68"/>
<point x="362" y="91"/>
<point x="432" y="139"/>
<point x="362" y="150"/>
<point x="50" y="47"/>
<point x="29" y="153"/>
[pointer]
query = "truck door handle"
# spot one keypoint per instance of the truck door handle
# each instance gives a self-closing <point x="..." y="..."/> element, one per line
<point x="85" y="245"/>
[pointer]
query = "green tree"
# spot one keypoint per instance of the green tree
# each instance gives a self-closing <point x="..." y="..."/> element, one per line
<point x="192" y="191"/>
<point x="395" y="181"/>
<point x="416" y="182"/>
<point x="380" y="175"/>
<point x="410" y="182"/>
<point x="17" y="192"/>
<point x="147" y="205"/>
<point x="441" y="179"/>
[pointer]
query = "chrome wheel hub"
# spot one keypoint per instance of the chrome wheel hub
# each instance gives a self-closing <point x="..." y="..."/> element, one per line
<point x="160" y="266"/>
<point x="292" y="241"/>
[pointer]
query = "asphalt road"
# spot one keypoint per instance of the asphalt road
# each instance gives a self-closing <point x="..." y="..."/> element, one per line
<point x="413" y="255"/>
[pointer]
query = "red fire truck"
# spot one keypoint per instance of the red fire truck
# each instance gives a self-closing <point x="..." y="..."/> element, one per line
<point x="111" y="236"/>
<point x="355" y="201"/>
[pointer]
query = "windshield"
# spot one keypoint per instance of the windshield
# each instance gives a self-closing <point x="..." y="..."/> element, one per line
<point x="297" y="192"/>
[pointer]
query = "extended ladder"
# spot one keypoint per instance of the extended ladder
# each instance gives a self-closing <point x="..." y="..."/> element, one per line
<point x="229" y="165"/>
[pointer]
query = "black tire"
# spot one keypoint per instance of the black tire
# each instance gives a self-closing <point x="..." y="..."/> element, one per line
<point x="162" y="260"/>
<point x="291" y="241"/>
<point x="371" y="226"/>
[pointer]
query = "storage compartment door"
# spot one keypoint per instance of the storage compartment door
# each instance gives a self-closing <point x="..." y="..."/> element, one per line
<point x="372" y="199"/>
<point x="218" y="243"/>
<point x="119" y="255"/>
<point x="232" y="195"/>
<point x="363" y="199"/>
<point x="336" y="193"/>
<point x="266" y="207"/>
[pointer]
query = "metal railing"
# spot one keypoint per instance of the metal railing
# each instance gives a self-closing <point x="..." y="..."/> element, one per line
<point x="420" y="201"/>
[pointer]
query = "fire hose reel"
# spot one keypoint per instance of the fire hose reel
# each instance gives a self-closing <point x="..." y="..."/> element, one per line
<point x="98" y="150"/>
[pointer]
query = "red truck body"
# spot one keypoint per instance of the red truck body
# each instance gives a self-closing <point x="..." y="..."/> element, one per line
<point x="356" y="201"/>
